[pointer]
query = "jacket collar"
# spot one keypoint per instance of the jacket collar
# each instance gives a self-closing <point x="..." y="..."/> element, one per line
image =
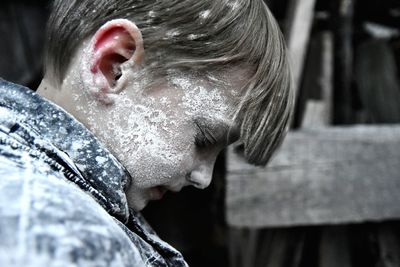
<point x="74" y="143"/>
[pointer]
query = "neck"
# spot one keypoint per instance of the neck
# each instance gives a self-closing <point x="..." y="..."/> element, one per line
<point x="59" y="95"/>
<point x="46" y="89"/>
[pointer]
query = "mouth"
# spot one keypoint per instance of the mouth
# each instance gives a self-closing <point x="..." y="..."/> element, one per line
<point x="158" y="192"/>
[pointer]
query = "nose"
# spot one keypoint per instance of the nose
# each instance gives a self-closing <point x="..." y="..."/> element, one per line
<point x="201" y="176"/>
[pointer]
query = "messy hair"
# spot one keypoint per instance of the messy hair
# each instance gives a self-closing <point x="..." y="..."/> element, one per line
<point x="195" y="35"/>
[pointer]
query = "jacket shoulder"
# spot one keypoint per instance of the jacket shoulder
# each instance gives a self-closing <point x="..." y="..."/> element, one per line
<point x="46" y="220"/>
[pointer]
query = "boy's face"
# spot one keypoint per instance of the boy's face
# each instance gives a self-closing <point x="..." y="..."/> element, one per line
<point x="169" y="136"/>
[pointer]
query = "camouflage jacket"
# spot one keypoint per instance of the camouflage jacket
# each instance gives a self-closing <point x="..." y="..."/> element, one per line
<point x="62" y="200"/>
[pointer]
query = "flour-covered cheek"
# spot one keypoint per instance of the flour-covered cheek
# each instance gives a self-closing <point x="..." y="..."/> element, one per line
<point x="160" y="158"/>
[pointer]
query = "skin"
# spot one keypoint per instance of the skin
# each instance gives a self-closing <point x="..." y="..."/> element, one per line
<point x="168" y="134"/>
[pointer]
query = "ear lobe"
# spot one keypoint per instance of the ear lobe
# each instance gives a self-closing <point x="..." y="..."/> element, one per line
<point x="117" y="42"/>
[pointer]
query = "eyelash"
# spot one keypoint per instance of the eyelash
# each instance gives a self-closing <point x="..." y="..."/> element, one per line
<point x="204" y="137"/>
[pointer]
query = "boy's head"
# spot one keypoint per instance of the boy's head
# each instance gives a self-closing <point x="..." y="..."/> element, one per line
<point x="167" y="84"/>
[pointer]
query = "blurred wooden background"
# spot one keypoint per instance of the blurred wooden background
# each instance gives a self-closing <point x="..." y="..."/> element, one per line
<point x="331" y="195"/>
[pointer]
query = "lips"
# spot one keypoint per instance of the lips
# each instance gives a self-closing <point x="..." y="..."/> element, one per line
<point x="158" y="192"/>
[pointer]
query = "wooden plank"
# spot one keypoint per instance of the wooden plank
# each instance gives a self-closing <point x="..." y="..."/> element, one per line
<point x="266" y="247"/>
<point x="326" y="80"/>
<point x="389" y="247"/>
<point x="334" y="249"/>
<point x="242" y="246"/>
<point x="234" y="246"/>
<point x="280" y="247"/>
<point x="318" y="113"/>
<point x="298" y="249"/>
<point x="298" y="35"/>
<point x="331" y="175"/>
<point x="249" y="248"/>
<point x="343" y="73"/>
<point x="378" y="84"/>
<point x="278" y="251"/>
<point x="314" y="115"/>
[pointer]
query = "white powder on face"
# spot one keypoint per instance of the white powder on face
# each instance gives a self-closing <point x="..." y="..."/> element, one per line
<point x="200" y="100"/>
<point x="152" y="132"/>
<point x="143" y="132"/>
<point x="136" y="131"/>
<point x="158" y="144"/>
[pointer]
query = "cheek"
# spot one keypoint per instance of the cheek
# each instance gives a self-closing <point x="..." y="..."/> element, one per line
<point x="165" y="157"/>
<point x="166" y="166"/>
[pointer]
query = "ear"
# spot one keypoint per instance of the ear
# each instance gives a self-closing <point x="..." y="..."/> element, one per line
<point x="117" y="45"/>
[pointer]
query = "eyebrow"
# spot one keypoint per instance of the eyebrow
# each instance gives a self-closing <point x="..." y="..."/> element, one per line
<point x="223" y="130"/>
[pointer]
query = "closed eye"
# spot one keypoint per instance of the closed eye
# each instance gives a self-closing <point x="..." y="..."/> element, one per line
<point x="209" y="134"/>
<point x="204" y="136"/>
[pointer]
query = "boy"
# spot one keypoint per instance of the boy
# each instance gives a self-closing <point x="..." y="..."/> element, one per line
<point x="138" y="98"/>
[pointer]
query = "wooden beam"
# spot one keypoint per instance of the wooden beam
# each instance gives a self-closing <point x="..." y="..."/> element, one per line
<point x="298" y="35"/>
<point x="377" y="81"/>
<point x="330" y="175"/>
<point x="318" y="83"/>
<point x="334" y="250"/>
<point x="389" y="246"/>
<point x="343" y="27"/>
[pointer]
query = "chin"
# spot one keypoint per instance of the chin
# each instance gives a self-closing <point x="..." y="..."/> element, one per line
<point x="137" y="198"/>
<point x="138" y="207"/>
<point x="137" y="204"/>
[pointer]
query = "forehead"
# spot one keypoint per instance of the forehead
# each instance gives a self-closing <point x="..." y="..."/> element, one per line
<point x="212" y="93"/>
<point x="228" y="83"/>
<point x="184" y="96"/>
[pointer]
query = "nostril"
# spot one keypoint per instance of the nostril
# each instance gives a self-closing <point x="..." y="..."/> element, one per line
<point x="199" y="178"/>
<point x="193" y="181"/>
<point x="197" y="185"/>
